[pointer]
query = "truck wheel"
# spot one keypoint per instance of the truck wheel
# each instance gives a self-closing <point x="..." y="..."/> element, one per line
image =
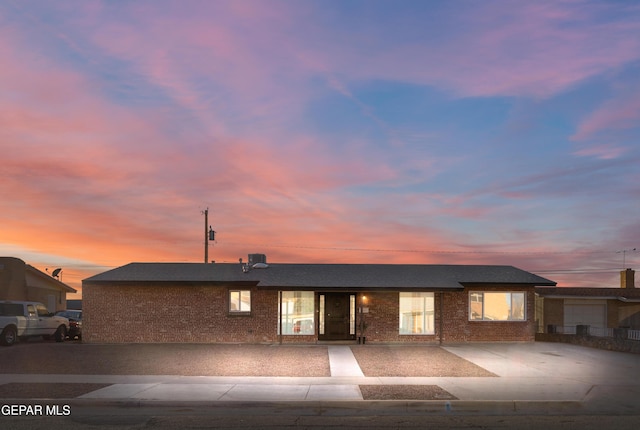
<point x="9" y="336"/>
<point x="60" y="334"/>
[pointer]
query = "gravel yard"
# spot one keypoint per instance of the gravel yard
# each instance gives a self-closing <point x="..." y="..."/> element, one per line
<point x="227" y="360"/>
<point x="165" y="359"/>
<point x="400" y="360"/>
<point x="404" y="392"/>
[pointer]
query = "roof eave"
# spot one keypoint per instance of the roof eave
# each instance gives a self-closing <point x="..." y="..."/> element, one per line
<point x="356" y="288"/>
<point x="102" y="283"/>
<point x="501" y="284"/>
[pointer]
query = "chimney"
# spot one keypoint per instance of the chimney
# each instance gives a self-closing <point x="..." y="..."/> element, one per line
<point x="627" y="278"/>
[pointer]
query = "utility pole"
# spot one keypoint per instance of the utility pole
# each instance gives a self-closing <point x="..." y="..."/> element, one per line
<point x="206" y="236"/>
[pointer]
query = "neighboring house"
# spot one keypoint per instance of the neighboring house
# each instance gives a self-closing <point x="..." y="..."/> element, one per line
<point x="20" y="281"/>
<point x="307" y="303"/>
<point x="600" y="308"/>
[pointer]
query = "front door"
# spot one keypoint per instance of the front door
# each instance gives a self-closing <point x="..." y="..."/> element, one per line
<point x="339" y="314"/>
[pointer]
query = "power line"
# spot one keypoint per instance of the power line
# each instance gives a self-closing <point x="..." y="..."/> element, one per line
<point x="576" y="271"/>
<point x="425" y="251"/>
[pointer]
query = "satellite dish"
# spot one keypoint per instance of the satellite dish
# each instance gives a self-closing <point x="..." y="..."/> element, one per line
<point x="56" y="272"/>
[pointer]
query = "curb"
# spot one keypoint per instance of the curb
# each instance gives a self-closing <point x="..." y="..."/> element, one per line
<point x="313" y="407"/>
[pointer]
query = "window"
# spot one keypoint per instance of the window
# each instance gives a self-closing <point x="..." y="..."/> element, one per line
<point x="13" y="310"/>
<point x="297" y="313"/>
<point x="321" y="314"/>
<point x="239" y="301"/>
<point x="496" y="306"/>
<point x="416" y="313"/>
<point x="352" y="314"/>
<point x="42" y="311"/>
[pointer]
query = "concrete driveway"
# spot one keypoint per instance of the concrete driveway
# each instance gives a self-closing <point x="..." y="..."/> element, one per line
<point x="541" y="371"/>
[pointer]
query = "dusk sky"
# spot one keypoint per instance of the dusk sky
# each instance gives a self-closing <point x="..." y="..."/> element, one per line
<point x="428" y="132"/>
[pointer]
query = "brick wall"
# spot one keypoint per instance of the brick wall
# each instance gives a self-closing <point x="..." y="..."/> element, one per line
<point x="199" y="314"/>
<point x="384" y="309"/>
<point x="383" y="320"/>
<point x="608" y="343"/>
<point x="458" y="328"/>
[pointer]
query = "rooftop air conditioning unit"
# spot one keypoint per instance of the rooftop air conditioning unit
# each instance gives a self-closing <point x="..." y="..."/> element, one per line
<point x="257" y="258"/>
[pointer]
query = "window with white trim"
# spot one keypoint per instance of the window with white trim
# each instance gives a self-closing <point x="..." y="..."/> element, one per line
<point x="297" y="313"/>
<point x="497" y="306"/>
<point x="239" y="301"/>
<point x="416" y="313"/>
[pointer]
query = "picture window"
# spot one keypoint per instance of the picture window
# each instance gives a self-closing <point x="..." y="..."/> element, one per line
<point x="497" y="306"/>
<point x="297" y="313"/>
<point x="417" y="313"/>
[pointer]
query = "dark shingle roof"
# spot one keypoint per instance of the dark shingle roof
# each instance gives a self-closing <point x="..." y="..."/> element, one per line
<point x="341" y="276"/>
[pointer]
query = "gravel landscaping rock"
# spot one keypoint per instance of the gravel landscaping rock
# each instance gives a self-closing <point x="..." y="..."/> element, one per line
<point x="405" y="392"/>
<point x="166" y="359"/>
<point x="400" y="360"/>
<point x="227" y="360"/>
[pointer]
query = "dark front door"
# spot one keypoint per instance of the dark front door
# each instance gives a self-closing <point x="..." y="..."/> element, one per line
<point x="337" y="318"/>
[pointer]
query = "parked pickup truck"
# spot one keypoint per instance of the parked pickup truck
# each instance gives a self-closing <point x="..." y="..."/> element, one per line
<point x="19" y="320"/>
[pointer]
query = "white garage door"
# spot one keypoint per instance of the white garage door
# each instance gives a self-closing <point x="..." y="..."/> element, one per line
<point x="594" y="315"/>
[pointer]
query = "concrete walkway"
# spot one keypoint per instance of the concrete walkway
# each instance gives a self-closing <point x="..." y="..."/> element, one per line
<point x="533" y="374"/>
<point x="342" y="362"/>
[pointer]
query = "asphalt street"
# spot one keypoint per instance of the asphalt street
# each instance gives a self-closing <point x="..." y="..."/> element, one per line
<point x="370" y="415"/>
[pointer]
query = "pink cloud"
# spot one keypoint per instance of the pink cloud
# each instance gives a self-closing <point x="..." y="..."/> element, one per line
<point x="244" y="51"/>
<point x="535" y="50"/>
<point x="602" y="151"/>
<point x="619" y="113"/>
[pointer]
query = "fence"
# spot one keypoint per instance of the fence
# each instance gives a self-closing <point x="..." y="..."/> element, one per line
<point x="586" y="330"/>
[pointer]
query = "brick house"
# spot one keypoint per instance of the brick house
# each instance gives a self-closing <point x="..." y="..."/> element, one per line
<point x="308" y="303"/>
<point x="23" y="282"/>
<point x="600" y="308"/>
